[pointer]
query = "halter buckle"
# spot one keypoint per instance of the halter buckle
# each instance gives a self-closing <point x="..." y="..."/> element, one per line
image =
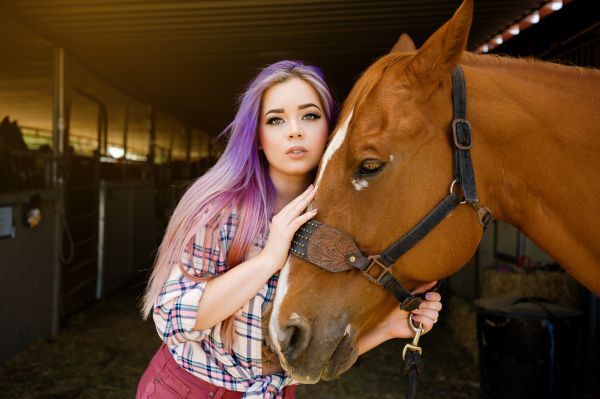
<point x="375" y="260"/>
<point x="457" y="142"/>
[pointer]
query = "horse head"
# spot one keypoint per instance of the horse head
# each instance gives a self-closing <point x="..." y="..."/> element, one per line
<point x="370" y="186"/>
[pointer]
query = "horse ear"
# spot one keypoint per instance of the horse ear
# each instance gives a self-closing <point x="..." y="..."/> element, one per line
<point x="442" y="51"/>
<point x="404" y="44"/>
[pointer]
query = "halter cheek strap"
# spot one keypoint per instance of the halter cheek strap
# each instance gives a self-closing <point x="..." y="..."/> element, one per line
<point x="336" y="251"/>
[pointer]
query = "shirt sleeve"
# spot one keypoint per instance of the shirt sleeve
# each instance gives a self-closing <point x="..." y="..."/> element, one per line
<point x="176" y="309"/>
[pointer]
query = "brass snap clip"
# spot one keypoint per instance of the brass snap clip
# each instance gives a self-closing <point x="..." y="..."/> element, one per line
<point x="414" y="345"/>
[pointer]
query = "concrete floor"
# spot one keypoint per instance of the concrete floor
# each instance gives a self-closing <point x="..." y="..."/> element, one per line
<point x="101" y="353"/>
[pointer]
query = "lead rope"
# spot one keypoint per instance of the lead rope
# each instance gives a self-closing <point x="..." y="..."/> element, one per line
<point x="413" y="363"/>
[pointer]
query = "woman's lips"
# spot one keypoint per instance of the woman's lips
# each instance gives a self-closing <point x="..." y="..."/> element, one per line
<point x="297" y="152"/>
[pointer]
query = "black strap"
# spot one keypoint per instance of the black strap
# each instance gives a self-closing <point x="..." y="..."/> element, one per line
<point x="400" y="247"/>
<point x="463" y="139"/>
<point x="408" y="302"/>
<point x="413" y="365"/>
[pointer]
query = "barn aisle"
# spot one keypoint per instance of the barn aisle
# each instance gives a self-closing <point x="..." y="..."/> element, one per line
<point x="102" y="351"/>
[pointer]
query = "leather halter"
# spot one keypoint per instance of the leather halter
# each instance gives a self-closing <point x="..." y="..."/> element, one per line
<point x="334" y="250"/>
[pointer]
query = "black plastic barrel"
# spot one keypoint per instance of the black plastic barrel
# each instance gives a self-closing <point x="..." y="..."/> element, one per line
<point x="527" y="348"/>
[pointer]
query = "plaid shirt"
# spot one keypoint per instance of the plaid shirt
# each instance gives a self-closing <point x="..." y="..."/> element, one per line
<point x="202" y="353"/>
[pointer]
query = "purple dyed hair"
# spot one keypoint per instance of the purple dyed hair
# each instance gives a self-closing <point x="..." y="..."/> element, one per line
<point x="239" y="178"/>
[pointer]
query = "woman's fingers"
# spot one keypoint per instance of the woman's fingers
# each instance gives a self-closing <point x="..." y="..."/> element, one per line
<point x="433" y="305"/>
<point x="429" y="310"/>
<point x="430" y="313"/>
<point x="298" y="204"/>
<point x="300" y="220"/>
<point x="426" y="321"/>
<point x="301" y="205"/>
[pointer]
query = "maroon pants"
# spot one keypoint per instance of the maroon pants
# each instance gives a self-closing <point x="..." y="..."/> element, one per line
<point x="164" y="379"/>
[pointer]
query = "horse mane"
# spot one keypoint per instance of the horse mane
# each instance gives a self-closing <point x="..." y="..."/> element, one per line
<point x="538" y="70"/>
<point x="536" y="67"/>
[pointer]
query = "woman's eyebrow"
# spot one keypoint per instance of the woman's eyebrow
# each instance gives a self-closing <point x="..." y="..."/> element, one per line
<point x="308" y="105"/>
<point x="275" y="111"/>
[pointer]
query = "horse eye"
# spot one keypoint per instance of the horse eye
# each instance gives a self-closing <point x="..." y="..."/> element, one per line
<point x="370" y="167"/>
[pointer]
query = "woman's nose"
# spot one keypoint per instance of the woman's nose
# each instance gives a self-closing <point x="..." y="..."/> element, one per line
<point x="295" y="132"/>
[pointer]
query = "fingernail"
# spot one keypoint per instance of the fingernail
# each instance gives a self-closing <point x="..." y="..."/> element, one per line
<point x="428" y="295"/>
<point x="314" y="210"/>
<point x="310" y="187"/>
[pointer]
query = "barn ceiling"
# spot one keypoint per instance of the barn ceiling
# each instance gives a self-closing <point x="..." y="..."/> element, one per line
<point x="191" y="58"/>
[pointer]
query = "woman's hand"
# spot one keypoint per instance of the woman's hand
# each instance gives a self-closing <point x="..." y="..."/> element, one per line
<point x="395" y="324"/>
<point x="284" y="226"/>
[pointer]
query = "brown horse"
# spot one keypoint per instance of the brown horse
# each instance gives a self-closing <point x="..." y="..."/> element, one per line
<point x="536" y="156"/>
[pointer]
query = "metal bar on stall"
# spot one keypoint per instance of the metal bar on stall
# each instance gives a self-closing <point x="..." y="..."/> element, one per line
<point x="99" y="131"/>
<point x="126" y="128"/>
<point x="125" y="136"/>
<point x="58" y="115"/>
<point x="101" y="232"/>
<point x="58" y="141"/>
<point x="152" y="133"/>
<point x="104" y="124"/>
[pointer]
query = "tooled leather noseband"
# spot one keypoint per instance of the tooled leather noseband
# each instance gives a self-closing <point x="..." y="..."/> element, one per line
<point x="335" y="251"/>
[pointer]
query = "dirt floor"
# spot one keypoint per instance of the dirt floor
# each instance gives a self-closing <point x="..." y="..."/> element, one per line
<point x="101" y="353"/>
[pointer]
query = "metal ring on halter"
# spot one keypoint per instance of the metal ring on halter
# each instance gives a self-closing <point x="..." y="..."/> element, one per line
<point x="452" y="190"/>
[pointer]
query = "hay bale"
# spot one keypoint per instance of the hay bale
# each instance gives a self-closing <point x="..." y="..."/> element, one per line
<point x="551" y="285"/>
<point x="462" y="316"/>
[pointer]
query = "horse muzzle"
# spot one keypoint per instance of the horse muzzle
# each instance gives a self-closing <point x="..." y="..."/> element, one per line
<point x="319" y="350"/>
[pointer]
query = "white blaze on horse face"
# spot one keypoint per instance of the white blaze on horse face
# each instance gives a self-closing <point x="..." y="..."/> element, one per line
<point x="338" y="138"/>
<point x="280" y="292"/>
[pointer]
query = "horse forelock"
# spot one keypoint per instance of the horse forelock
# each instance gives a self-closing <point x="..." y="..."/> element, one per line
<point x="369" y="79"/>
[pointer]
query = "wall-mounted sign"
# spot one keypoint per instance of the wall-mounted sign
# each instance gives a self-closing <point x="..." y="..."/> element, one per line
<point x="7" y="222"/>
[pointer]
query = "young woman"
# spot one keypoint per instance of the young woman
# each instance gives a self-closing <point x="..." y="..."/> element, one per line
<point x="216" y="269"/>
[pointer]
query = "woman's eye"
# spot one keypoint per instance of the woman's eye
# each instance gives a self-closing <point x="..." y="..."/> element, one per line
<point x="274" y="121"/>
<point x="370" y="167"/>
<point x="311" y="116"/>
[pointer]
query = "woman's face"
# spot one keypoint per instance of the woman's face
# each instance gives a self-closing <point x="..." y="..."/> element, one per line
<point x="292" y="128"/>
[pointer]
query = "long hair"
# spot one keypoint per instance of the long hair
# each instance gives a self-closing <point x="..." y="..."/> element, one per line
<point x="239" y="179"/>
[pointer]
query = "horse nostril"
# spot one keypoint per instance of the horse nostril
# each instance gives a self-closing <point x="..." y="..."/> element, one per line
<point x="295" y="340"/>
